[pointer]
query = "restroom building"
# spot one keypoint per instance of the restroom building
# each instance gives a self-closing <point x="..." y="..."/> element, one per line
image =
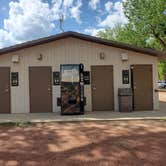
<point x="30" y="73"/>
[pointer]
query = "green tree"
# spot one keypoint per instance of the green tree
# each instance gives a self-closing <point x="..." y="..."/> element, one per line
<point x="162" y="70"/>
<point x="146" y="26"/>
<point x="148" y="17"/>
<point x="124" y="34"/>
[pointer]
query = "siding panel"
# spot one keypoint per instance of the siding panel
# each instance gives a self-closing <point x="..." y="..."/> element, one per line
<point x="72" y="50"/>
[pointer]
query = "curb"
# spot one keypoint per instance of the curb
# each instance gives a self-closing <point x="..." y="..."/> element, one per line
<point x="82" y="120"/>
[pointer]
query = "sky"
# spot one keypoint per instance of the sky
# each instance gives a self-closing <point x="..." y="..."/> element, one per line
<point x="25" y="20"/>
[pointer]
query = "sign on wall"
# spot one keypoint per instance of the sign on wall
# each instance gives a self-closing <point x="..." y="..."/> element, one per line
<point x="14" y="79"/>
<point x="56" y="78"/>
<point x="125" y="76"/>
<point x="86" y="77"/>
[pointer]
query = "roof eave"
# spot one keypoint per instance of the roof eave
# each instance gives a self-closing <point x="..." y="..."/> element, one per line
<point x="83" y="37"/>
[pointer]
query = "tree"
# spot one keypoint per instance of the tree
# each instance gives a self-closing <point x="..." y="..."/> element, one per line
<point x="162" y="70"/>
<point x="146" y="26"/>
<point x="124" y="34"/>
<point x="149" y="18"/>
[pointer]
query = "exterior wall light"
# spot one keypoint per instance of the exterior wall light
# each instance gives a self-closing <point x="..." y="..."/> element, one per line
<point x="124" y="57"/>
<point x="39" y="57"/>
<point x="15" y="59"/>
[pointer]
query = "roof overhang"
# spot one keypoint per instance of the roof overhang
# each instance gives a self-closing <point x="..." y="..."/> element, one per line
<point x="160" y="55"/>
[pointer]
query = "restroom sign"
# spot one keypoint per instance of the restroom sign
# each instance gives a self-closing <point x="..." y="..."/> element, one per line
<point x="56" y="78"/>
<point x="125" y="76"/>
<point x="14" y="79"/>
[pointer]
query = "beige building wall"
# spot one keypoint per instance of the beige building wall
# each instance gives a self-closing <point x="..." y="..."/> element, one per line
<point x="72" y="51"/>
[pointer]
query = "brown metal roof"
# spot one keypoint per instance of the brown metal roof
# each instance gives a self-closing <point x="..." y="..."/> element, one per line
<point x="82" y="37"/>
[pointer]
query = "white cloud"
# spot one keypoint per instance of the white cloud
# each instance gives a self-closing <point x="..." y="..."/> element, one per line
<point x="31" y="19"/>
<point x="93" y="31"/>
<point x="6" y="38"/>
<point x="115" y="17"/>
<point x="69" y="8"/>
<point x="75" y="11"/>
<point x="93" y="4"/>
<point x="108" y="6"/>
<point x="56" y="8"/>
<point x="28" y="19"/>
<point x="68" y="3"/>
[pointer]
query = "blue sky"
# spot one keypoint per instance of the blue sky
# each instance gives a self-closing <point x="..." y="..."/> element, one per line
<point x="24" y="20"/>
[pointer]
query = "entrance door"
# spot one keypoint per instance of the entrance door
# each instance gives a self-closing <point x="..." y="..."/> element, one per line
<point x="142" y="84"/>
<point x="4" y="90"/>
<point x="40" y="86"/>
<point x="102" y="88"/>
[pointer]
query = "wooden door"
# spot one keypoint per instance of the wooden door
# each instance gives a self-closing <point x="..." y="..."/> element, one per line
<point x="142" y="84"/>
<point x="4" y="90"/>
<point x="40" y="86"/>
<point x="102" y="88"/>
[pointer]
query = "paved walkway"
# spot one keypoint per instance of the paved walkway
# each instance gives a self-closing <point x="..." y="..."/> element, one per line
<point x="89" y="116"/>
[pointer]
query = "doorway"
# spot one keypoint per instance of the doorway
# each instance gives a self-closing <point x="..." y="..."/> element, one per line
<point x="4" y="90"/>
<point x="142" y="85"/>
<point x="102" y="88"/>
<point x="40" y="86"/>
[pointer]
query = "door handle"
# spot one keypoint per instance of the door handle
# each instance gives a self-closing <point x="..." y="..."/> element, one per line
<point x="5" y="91"/>
<point x="93" y="88"/>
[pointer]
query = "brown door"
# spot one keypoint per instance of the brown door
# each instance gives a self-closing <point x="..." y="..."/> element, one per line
<point x="4" y="90"/>
<point x="142" y="84"/>
<point x="102" y="88"/>
<point x="40" y="89"/>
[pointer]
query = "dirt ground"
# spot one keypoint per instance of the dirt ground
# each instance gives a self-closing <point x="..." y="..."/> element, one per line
<point x="107" y="143"/>
<point x="162" y="96"/>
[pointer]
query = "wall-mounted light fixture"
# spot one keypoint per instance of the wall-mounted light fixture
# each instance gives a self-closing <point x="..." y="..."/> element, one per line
<point x="102" y="55"/>
<point x="15" y="59"/>
<point x="39" y="57"/>
<point x="124" y="56"/>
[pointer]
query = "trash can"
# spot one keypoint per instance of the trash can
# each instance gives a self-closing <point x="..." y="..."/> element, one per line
<point x="125" y="99"/>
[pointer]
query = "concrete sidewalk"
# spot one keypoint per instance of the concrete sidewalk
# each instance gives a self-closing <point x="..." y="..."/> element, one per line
<point x="89" y="116"/>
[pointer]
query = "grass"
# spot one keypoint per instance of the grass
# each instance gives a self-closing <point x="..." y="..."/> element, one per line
<point x="164" y="119"/>
<point x="18" y="124"/>
<point x="26" y="124"/>
<point x="162" y="90"/>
